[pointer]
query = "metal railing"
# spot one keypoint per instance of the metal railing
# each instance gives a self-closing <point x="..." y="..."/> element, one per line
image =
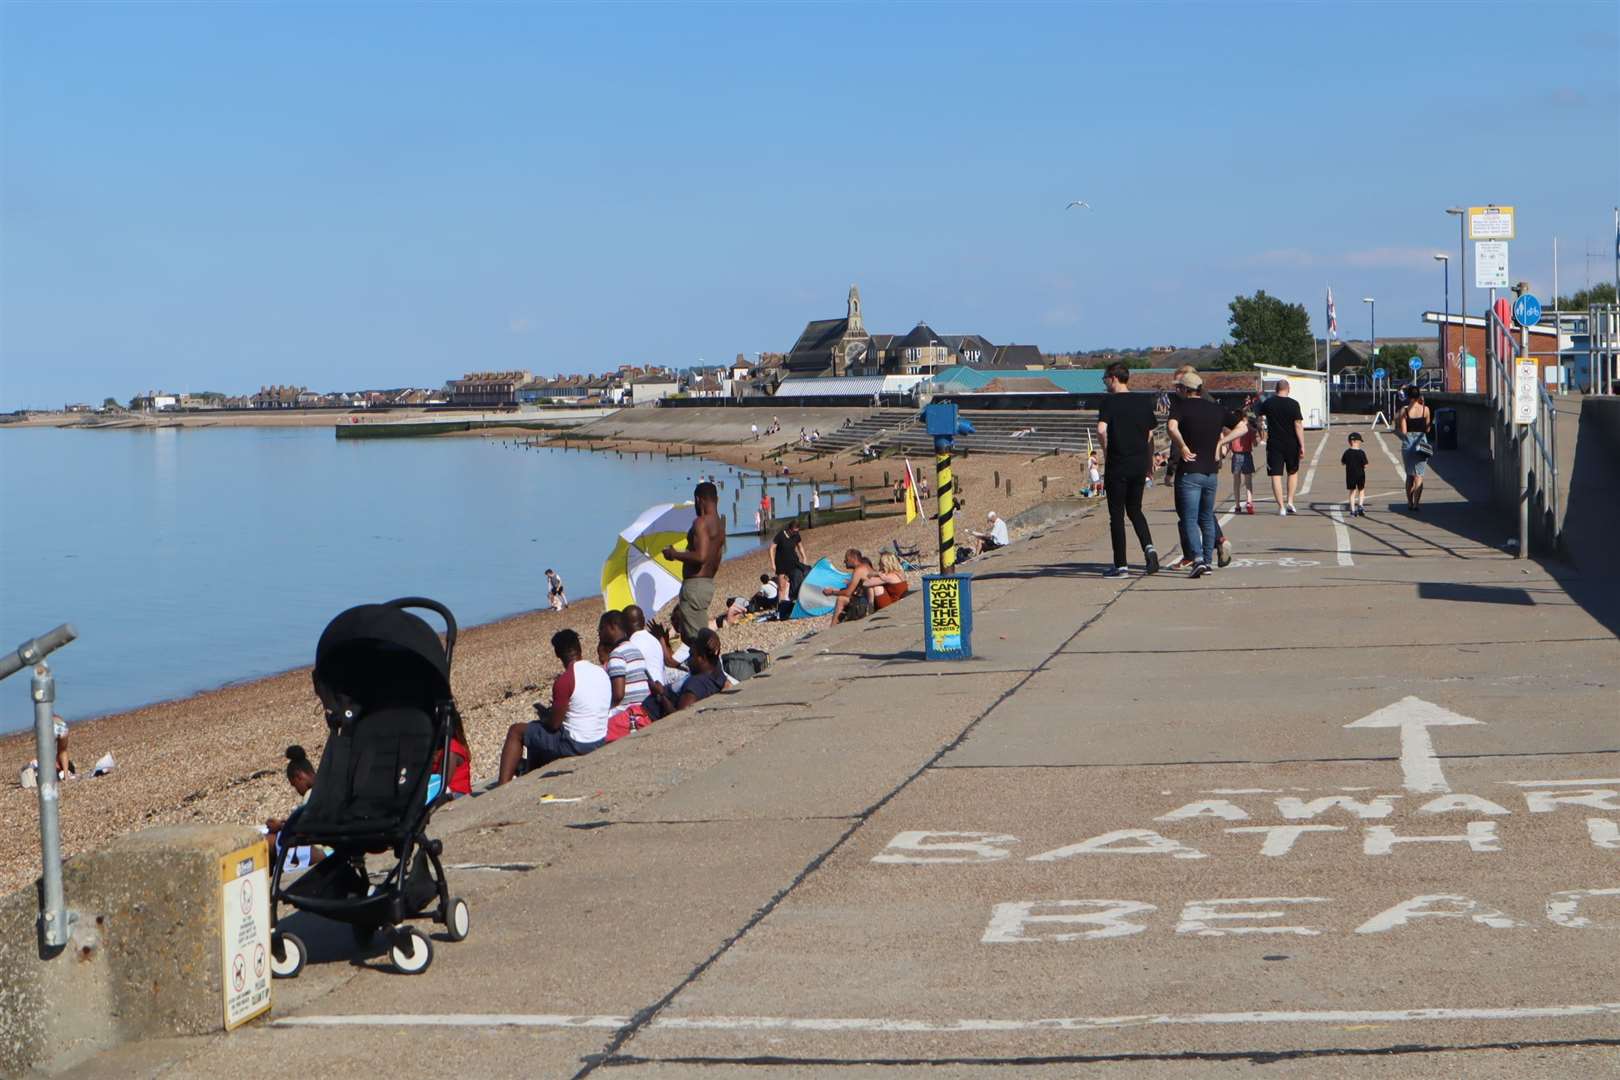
<point x="1534" y="443"/>
<point x="55" y="920"/>
<point x="1603" y="348"/>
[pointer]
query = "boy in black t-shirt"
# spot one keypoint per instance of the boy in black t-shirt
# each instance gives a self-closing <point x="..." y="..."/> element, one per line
<point x="1354" y="461"/>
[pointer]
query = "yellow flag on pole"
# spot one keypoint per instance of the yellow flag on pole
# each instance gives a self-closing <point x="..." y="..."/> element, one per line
<point x="911" y="494"/>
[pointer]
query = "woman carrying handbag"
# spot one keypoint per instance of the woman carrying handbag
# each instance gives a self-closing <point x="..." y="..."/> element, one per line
<point x="1413" y="423"/>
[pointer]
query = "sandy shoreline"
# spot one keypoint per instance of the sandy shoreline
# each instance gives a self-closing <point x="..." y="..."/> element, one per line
<point x="218" y="755"/>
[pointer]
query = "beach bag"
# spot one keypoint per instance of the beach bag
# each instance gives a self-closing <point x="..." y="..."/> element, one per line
<point x="1423" y="448"/>
<point x="744" y="664"/>
<point x="626" y="720"/>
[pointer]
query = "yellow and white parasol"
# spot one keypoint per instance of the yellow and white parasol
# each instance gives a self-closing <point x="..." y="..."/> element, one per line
<point x="636" y="573"/>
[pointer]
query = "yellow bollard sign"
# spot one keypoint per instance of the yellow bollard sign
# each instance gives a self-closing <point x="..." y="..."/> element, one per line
<point x="244" y="877"/>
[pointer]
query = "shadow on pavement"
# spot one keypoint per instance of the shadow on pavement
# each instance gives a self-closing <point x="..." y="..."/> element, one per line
<point x="1474" y="594"/>
<point x="1074" y="569"/>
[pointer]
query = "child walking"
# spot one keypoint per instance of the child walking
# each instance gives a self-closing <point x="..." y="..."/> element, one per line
<point x="1355" y="475"/>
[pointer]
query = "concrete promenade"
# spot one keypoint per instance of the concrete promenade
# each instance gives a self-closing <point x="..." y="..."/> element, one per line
<point x="1349" y="807"/>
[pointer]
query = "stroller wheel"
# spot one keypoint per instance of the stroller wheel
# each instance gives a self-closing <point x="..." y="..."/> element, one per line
<point x="457" y="919"/>
<point x="410" y="950"/>
<point x="287" y="955"/>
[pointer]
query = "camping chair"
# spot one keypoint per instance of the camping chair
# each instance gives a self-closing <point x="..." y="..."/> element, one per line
<point x="906" y="556"/>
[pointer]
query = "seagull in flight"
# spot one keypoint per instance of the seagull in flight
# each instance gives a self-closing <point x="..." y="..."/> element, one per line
<point x="1078" y="202"/>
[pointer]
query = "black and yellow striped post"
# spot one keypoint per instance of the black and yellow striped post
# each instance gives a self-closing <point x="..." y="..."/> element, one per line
<point x="947" y="507"/>
<point x="947" y="596"/>
<point x="943" y="425"/>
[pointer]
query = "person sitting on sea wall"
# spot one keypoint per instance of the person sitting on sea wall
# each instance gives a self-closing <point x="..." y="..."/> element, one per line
<point x="652" y="648"/>
<point x="576" y="721"/>
<point x="853" y="599"/>
<point x="889" y="583"/>
<point x="707" y="676"/>
<point x="460" y="759"/>
<point x="637" y="701"/>
<point x="997" y="536"/>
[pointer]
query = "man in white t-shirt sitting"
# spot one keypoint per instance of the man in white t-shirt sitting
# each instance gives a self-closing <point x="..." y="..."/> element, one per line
<point x="576" y="721"/>
<point x="997" y="536"/>
<point x="652" y="650"/>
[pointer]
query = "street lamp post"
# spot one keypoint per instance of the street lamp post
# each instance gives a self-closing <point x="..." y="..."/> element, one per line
<point x="1445" y="333"/>
<point x="1372" y="307"/>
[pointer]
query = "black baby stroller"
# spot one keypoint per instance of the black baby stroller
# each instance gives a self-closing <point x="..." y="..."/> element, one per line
<point x="384" y="679"/>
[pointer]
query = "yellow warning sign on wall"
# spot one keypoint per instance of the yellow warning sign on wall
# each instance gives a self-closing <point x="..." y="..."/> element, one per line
<point x="244" y="877"/>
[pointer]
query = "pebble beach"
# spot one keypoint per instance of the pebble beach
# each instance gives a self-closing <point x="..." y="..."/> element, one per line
<point x="218" y="756"/>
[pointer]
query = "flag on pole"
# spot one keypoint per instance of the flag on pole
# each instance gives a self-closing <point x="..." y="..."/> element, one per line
<point x="911" y="494"/>
<point x="1333" y="318"/>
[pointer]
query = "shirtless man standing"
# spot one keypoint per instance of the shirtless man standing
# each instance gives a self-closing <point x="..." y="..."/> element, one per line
<point x="705" y="544"/>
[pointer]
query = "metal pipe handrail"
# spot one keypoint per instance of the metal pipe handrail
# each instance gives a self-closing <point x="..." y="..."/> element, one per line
<point x="34" y="650"/>
<point x="55" y="920"/>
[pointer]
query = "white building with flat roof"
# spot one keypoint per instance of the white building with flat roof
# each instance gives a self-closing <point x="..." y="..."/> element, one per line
<point x="1309" y="388"/>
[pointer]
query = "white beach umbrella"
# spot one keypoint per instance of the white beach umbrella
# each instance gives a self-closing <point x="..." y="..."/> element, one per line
<point x="636" y="572"/>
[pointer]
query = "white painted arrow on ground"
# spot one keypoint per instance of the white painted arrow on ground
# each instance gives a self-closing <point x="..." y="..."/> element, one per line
<point x="1420" y="769"/>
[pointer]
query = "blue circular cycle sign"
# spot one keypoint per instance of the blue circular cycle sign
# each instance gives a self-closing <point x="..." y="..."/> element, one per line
<point x="1527" y="310"/>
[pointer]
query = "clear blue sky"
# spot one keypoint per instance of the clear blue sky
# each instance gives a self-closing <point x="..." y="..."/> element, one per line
<point x="217" y="196"/>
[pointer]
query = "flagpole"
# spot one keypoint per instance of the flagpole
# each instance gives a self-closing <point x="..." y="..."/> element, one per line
<point x="1327" y="359"/>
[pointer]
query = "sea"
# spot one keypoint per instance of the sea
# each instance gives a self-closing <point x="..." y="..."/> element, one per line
<point x="189" y="558"/>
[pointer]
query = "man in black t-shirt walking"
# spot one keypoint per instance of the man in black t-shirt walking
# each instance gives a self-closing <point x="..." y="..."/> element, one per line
<point x="1125" y="425"/>
<point x="1285" y="445"/>
<point x="1198" y="431"/>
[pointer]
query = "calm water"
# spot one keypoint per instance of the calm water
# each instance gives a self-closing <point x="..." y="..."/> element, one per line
<point x="189" y="559"/>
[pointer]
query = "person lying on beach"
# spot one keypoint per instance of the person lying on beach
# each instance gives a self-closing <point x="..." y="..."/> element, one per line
<point x="853" y="599"/>
<point x="301" y="775"/>
<point x="574" y="724"/>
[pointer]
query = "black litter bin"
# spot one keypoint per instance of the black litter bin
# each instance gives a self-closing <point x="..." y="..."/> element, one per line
<point x="1445" y="429"/>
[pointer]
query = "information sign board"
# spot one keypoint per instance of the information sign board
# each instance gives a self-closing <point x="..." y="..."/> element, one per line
<point x="1490" y="223"/>
<point x="244" y="877"/>
<point x="1491" y="264"/>
<point x="1524" y="390"/>
<point x="948" y="613"/>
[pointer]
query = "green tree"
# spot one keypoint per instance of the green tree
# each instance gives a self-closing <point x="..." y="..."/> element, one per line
<point x="110" y="403"/>
<point x="1601" y="293"/>
<point x="1266" y="330"/>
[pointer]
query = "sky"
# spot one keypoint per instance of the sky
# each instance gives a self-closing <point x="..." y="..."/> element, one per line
<point x="343" y="196"/>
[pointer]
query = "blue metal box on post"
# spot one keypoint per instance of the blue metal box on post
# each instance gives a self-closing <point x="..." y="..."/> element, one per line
<point x="947" y="596"/>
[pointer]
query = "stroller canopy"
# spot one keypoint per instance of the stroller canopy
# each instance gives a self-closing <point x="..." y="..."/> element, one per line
<point x="373" y="643"/>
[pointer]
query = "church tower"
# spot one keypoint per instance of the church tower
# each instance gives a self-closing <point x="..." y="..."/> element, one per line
<point x="856" y="327"/>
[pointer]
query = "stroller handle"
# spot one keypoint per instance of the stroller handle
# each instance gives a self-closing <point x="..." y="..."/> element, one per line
<point x="438" y="609"/>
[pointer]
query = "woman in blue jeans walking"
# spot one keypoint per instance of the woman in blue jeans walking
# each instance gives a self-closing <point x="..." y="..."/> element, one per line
<point x="1198" y="435"/>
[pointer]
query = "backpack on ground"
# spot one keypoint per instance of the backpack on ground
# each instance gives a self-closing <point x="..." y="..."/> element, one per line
<point x="744" y="664"/>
